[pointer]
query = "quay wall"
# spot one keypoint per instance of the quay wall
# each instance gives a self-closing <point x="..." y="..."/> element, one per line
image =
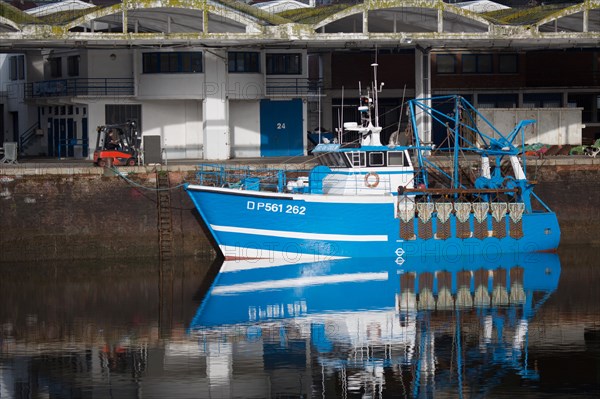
<point x="81" y="213"/>
<point x="88" y="216"/>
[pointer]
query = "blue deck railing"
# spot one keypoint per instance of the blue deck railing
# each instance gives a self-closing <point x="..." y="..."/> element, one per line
<point x="93" y="87"/>
<point x="246" y="177"/>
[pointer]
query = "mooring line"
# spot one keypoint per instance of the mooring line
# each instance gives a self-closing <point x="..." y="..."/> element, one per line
<point x="124" y="177"/>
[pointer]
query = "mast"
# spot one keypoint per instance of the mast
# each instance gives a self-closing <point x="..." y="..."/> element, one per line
<point x="376" y="90"/>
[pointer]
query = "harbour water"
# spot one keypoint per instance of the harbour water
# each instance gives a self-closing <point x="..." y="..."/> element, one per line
<point x="513" y="326"/>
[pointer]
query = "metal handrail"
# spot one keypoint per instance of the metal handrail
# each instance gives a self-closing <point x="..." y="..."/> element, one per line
<point x="27" y="136"/>
<point x="95" y="87"/>
<point x="293" y="87"/>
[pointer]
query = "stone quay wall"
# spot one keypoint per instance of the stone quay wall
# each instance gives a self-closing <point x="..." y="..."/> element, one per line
<point x="89" y="215"/>
<point x="84" y="213"/>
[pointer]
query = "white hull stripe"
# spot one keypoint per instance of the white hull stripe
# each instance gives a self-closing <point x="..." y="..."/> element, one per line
<point x="251" y="259"/>
<point x="299" y="235"/>
<point x="298" y="282"/>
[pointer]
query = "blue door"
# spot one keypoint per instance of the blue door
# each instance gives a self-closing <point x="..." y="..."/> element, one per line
<point x="281" y="131"/>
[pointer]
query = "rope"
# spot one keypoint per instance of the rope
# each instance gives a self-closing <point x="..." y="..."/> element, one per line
<point x="128" y="180"/>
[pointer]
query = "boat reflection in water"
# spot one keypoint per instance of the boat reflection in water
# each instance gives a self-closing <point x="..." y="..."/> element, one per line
<point x="344" y="327"/>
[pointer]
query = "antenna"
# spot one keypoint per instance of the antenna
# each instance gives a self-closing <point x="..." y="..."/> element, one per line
<point x="341" y="130"/>
<point x="375" y="91"/>
<point x="319" y="106"/>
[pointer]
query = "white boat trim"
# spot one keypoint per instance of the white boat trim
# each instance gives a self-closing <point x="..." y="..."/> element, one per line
<point x="384" y="198"/>
<point x="298" y="282"/>
<point x="299" y="235"/>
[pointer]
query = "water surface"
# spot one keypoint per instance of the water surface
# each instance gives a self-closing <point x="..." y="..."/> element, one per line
<point x="525" y="326"/>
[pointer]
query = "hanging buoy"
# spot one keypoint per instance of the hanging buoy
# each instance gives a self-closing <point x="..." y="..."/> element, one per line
<point x="371" y="180"/>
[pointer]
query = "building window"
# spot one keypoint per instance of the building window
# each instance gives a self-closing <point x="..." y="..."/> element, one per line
<point x="284" y="64"/>
<point x="497" y="100"/>
<point x="445" y="63"/>
<point x="508" y="63"/>
<point x="73" y="65"/>
<point x="542" y="100"/>
<point x="585" y="101"/>
<point x="55" y="67"/>
<point x="477" y="63"/>
<point x="17" y="67"/>
<point x="242" y="61"/>
<point x="175" y="62"/>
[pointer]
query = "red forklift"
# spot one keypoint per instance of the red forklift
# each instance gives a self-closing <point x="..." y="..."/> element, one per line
<point x="118" y="145"/>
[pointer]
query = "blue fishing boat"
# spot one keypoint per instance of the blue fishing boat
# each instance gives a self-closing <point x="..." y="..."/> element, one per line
<point x="468" y="195"/>
<point x="359" y="316"/>
<point x="263" y="291"/>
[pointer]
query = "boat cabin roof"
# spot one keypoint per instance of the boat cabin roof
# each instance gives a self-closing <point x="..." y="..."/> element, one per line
<point x="336" y="156"/>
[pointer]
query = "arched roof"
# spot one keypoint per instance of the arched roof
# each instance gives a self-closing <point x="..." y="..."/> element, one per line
<point x="583" y="17"/>
<point x="6" y="25"/>
<point x="229" y="22"/>
<point x="404" y="16"/>
<point x="173" y="16"/>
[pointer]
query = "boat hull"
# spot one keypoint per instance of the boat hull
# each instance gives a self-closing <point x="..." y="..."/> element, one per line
<point x="254" y="224"/>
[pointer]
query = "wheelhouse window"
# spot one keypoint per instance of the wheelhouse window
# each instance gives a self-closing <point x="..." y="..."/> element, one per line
<point x="445" y="63"/>
<point x="243" y="62"/>
<point x="284" y="64"/>
<point x="396" y="158"/>
<point x="376" y="159"/>
<point x="172" y="62"/>
<point x="356" y="158"/>
<point x="333" y="160"/>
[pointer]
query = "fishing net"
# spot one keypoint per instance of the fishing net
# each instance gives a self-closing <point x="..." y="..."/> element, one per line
<point x="445" y="300"/>
<point x="499" y="219"/>
<point x="425" y="224"/>
<point x="426" y="299"/>
<point x="443" y="209"/>
<point x="499" y="296"/>
<point x="516" y="210"/>
<point x="482" y="296"/>
<point x="464" y="298"/>
<point x="406" y="213"/>
<point x="463" y="222"/>
<point x="425" y="230"/>
<point x="500" y="293"/>
<point x="480" y="212"/>
<point x="517" y="291"/>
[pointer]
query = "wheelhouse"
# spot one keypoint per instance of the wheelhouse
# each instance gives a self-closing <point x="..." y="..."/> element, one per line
<point x="359" y="158"/>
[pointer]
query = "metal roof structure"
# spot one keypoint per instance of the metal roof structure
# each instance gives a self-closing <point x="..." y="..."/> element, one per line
<point x="222" y="23"/>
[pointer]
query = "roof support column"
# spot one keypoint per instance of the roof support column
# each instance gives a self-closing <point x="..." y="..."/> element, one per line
<point x="423" y="90"/>
<point x="586" y="19"/>
<point x="440" y="21"/>
<point x="365" y="22"/>
<point x="325" y="101"/>
<point x="124" y="15"/>
<point x="215" y="111"/>
<point x="205" y="17"/>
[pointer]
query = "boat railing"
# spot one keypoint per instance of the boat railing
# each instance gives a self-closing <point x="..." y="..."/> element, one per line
<point x="247" y="177"/>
